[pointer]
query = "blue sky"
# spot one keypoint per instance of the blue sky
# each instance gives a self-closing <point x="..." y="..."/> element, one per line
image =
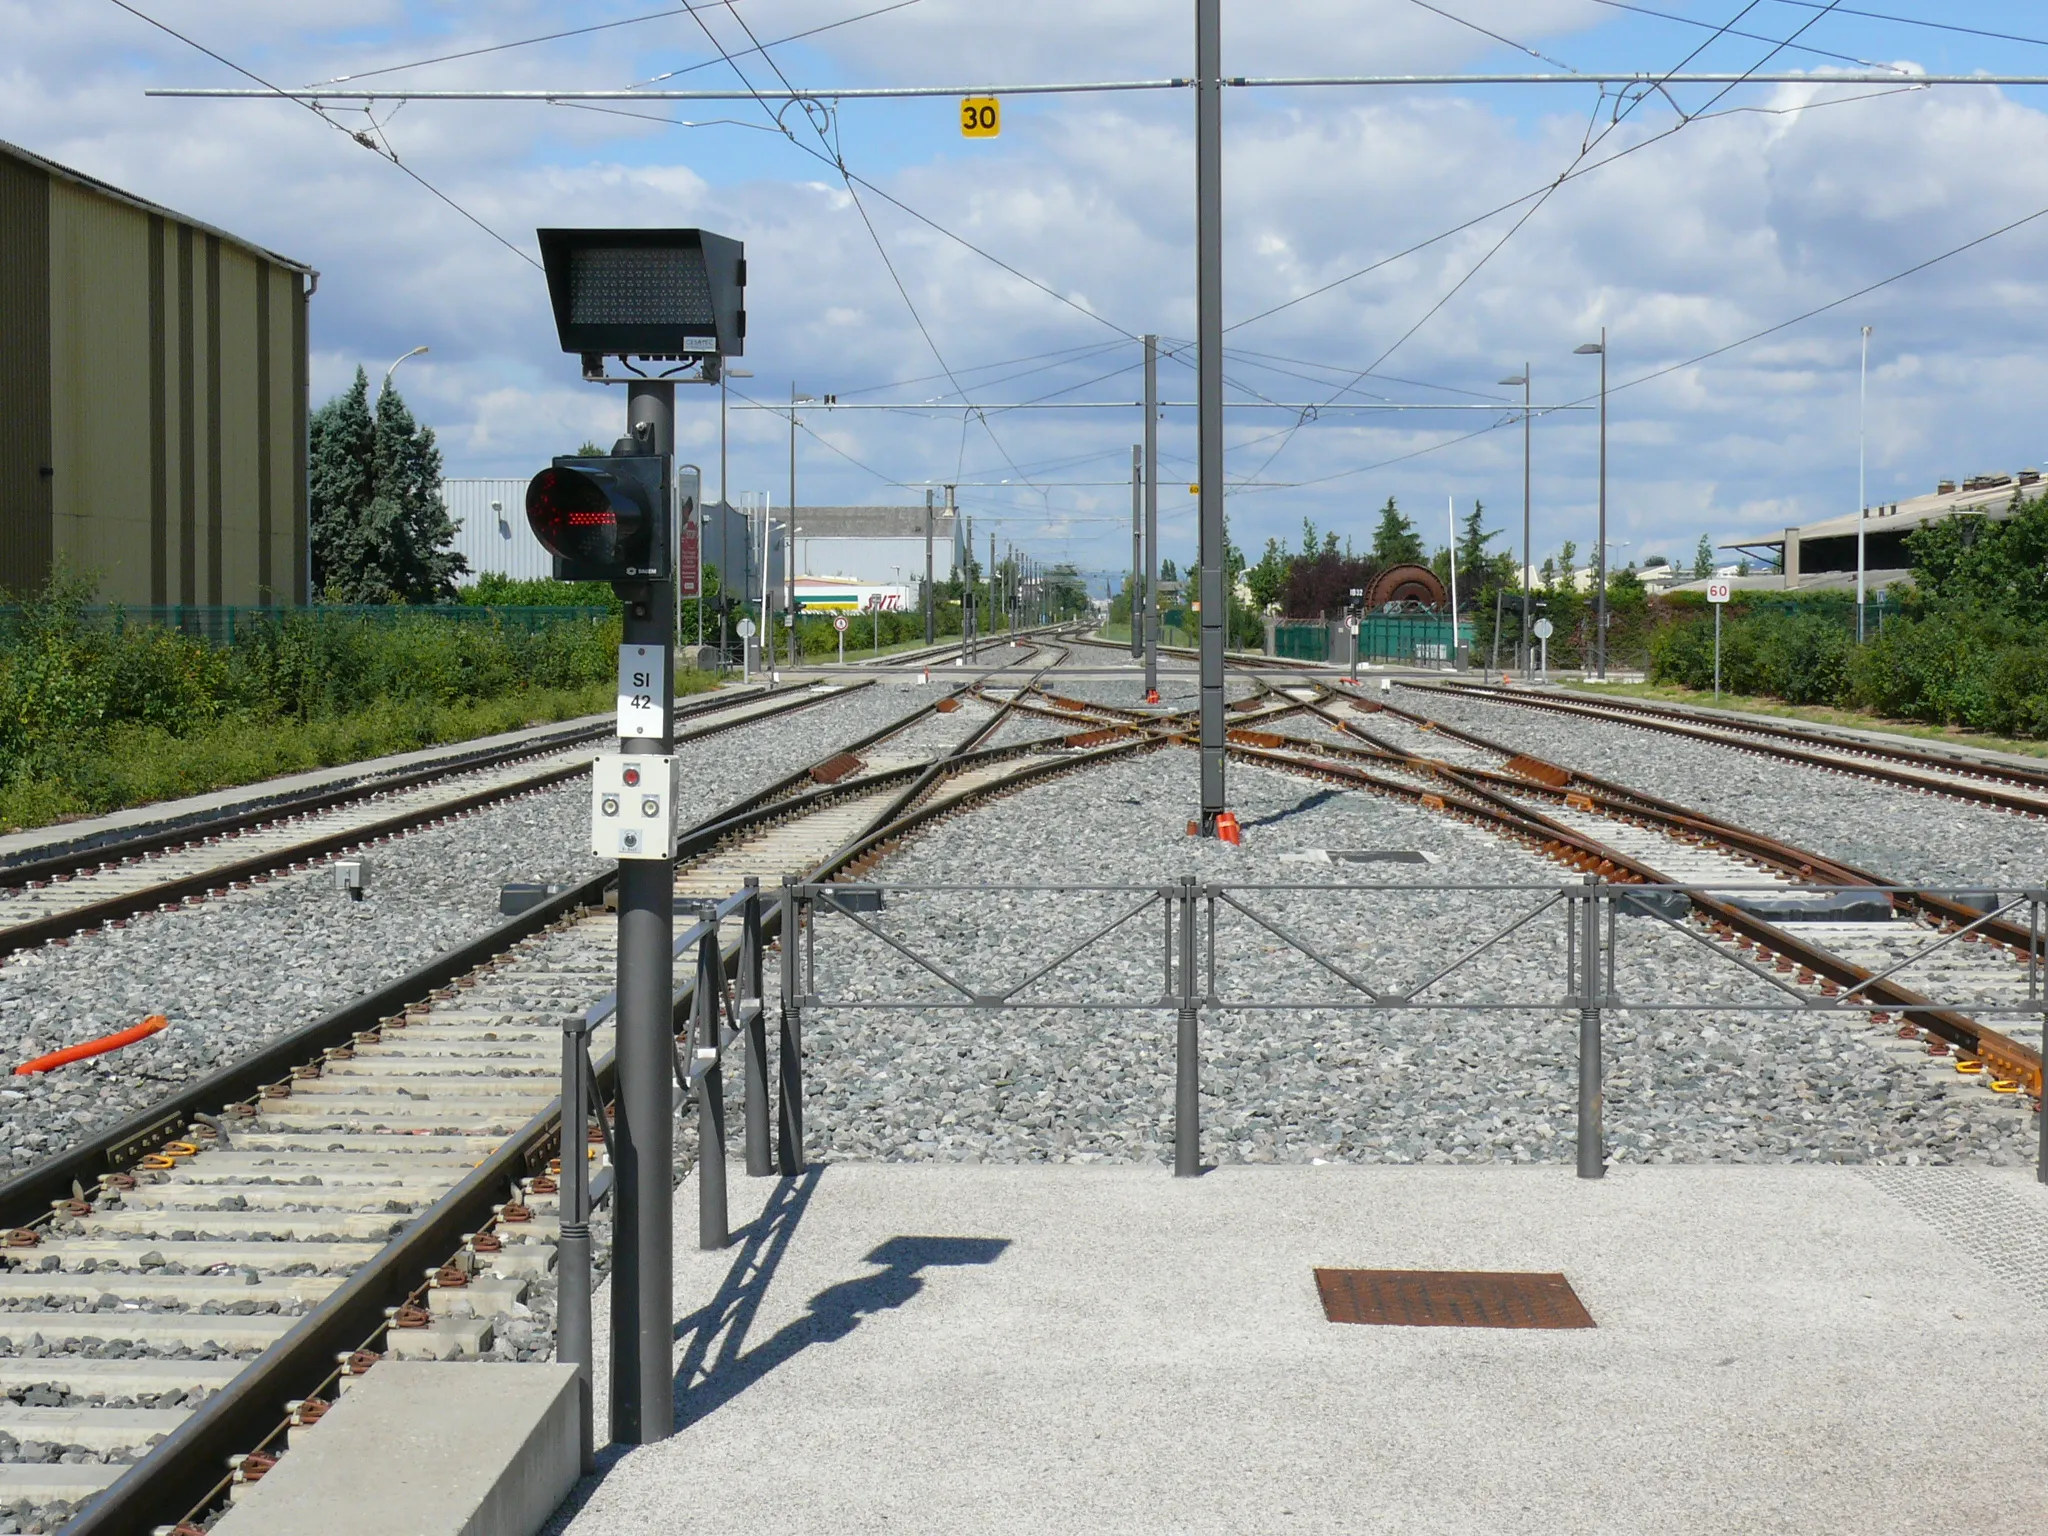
<point x="1734" y="223"/>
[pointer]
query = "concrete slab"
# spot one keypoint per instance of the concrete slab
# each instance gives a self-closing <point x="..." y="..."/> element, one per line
<point x="1070" y="1349"/>
<point x="429" y="1450"/>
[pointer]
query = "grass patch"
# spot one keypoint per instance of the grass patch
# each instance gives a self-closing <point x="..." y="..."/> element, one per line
<point x="1818" y="714"/>
<point x="131" y="764"/>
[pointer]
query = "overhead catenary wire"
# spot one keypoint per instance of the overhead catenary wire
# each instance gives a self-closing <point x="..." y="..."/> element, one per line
<point x="1548" y="192"/>
<point x="385" y="153"/>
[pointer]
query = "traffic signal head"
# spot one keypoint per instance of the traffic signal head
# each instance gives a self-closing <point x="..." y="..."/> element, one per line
<point x="603" y="519"/>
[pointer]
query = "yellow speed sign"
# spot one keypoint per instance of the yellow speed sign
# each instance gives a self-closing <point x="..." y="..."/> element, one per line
<point x="981" y="117"/>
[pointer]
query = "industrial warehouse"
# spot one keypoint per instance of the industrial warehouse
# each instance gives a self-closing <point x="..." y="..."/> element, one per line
<point x="152" y="397"/>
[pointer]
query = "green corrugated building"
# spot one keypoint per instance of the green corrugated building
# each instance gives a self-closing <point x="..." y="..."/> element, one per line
<point x="152" y="397"/>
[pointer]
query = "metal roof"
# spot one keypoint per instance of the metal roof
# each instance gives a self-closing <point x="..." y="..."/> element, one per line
<point x="115" y="194"/>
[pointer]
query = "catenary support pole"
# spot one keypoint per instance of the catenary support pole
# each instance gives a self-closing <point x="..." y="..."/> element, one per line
<point x="572" y="1250"/>
<point x="1862" y="494"/>
<point x="1600" y="548"/>
<point x="643" y="1244"/>
<point x="1528" y="380"/>
<point x="931" y="616"/>
<point x="1209" y="392"/>
<point x="1151" y="515"/>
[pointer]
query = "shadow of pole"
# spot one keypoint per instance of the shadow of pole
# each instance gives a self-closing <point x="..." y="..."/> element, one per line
<point x="716" y="1365"/>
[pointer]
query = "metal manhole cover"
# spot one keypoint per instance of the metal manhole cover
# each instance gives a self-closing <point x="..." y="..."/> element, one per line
<point x="1442" y="1298"/>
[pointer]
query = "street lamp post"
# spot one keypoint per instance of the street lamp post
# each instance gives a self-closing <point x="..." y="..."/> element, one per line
<point x="1523" y="378"/>
<point x="415" y="352"/>
<point x="724" y="506"/>
<point x="795" y="400"/>
<point x="1862" y="495"/>
<point x="1599" y="349"/>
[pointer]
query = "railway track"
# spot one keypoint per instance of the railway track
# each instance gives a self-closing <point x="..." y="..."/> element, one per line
<point x="50" y="899"/>
<point x="263" y="1239"/>
<point x="2009" y="787"/>
<point x="1624" y="835"/>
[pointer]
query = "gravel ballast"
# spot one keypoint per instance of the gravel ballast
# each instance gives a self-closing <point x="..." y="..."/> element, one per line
<point x="1892" y="832"/>
<point x="1322" y="1084"/>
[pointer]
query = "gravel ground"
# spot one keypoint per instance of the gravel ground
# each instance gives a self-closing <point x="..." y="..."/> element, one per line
<point x="1902" y="836"/>
<point x="1298" y="1086"/>
<point x="238" y="971"/>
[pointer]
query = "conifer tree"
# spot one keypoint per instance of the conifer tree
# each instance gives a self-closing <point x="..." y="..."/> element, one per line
<point x="1395" y="541"/>
<point x="379" y="531"/>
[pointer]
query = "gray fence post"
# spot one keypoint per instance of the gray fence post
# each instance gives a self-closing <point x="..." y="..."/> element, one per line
<point x="712" y="1227"/>
<point x="1187" y="1059"/>
<point x="572" y="1251"/>
<point x="790" y="1054"/>
<point x="1593" y="985"/>
<point x="759" y="1163"/>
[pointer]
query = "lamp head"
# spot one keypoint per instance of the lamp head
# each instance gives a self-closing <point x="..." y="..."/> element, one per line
<point x="1518" y="379"/>
<point x="1590" y="349"/>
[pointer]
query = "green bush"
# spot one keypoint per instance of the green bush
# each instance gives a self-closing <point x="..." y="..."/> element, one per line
<point x="99" y="714"/>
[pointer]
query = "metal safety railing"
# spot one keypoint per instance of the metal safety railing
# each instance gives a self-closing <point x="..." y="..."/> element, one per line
<point x="1571" y="933"/>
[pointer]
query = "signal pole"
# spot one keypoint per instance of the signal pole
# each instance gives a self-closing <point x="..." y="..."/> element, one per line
<point x="643" y="1329"/>
<point x="1209" y="390"/>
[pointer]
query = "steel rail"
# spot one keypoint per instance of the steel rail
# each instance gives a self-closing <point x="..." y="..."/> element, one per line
<point x="1790" y="745"/>
<point x="1490" y="796"/>
<point x="220" y="877"/>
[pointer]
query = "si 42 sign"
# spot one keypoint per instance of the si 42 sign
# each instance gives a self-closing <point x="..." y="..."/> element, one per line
<point x="642" y="670"/>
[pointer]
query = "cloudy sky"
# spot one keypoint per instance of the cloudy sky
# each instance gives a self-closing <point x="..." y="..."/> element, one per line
<point x="1406" y="224"/>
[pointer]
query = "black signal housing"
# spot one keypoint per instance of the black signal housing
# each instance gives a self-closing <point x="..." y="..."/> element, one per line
<point x="604" y="518"/>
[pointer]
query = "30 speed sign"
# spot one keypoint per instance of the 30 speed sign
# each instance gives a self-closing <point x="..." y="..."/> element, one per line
<point x="981" y="117"/>
<point x="1717" y="591"/>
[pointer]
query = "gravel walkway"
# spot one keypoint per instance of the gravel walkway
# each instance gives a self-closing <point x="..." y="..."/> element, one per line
<point x="1891" y="832"/>
<point x="1298" y="1086"/>
<point x="238" y="971"/>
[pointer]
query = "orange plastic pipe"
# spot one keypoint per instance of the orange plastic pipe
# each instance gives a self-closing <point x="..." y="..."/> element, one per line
<point x="99" y="1047"/>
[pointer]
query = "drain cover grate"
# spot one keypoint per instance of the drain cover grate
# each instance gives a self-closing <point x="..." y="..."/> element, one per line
<point x="1442" y="1298"/>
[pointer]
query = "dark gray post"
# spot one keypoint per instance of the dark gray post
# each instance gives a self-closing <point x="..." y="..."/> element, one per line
<point x="1187" y="1049"/>
<point x="1528" y="382"/>
<point x="572" y="1251"/>
<point x="760" y="1162"/>
<point x="931" y="612"/>
<point x="1134" y="589"/>
<point x="643" y="1243"/>
<point x="1151" y="562"/>
<point x="790" y="1053"/>
<point x="712" y="1230"/>
<point x="1592" y="989"/>
<point x="1209" y="391"/>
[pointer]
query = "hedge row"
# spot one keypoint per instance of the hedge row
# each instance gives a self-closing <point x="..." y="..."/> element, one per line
<point x="1985" y="672"/>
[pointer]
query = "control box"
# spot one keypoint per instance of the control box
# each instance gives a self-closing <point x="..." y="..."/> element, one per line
<point x="633" y="806"/>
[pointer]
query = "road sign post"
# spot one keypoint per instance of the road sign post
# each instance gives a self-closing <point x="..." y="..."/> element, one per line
<point x="1542" y="630"/>
<point x="745" y="630"/>
<point x="839" y="624"/>
<point x="1717" y="594"/>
